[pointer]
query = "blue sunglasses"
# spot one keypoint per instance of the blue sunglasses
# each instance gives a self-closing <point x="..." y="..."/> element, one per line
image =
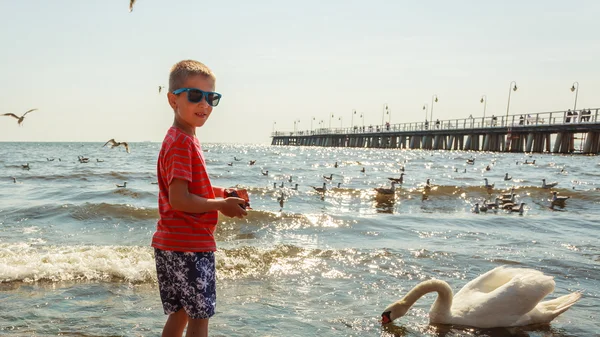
<point x="195" y="96"/>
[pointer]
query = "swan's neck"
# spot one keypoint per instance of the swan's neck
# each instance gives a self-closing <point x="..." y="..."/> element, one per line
<point x="442" y="304"/>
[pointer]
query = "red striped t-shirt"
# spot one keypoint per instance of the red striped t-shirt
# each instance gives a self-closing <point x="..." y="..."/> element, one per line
<point x="181" y="157"/>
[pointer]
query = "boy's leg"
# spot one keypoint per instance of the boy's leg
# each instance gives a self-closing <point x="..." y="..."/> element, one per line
<point x="197" y="328"/>
<point x="166" y="263"/>
<point x="200" y="298"/>
<point x="175" y="324"/>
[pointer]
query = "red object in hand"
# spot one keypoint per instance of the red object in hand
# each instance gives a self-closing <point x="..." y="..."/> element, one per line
<point x="239" y="194"/>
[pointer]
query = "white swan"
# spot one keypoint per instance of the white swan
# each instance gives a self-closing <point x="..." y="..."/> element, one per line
<point x="502" y="297"/>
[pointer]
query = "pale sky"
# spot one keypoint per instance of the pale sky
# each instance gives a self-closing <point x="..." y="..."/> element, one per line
<point x="93" y="69"/>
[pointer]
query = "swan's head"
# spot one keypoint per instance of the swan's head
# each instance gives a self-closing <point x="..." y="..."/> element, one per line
<point x="394" y="311"/>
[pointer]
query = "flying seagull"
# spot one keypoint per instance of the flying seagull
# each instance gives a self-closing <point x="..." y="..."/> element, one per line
<point x="160" y="88"/>
<point x="19" y="119"/>
<point x="131" y="2"/>
<point x="114" y="144"/>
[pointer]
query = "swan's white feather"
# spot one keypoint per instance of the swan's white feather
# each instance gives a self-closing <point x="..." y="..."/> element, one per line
<point x="500" y="297"/>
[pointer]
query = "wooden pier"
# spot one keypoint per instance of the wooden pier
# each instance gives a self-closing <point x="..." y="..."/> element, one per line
<point x="553" y="132"/>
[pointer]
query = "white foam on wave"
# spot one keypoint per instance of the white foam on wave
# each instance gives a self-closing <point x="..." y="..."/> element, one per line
<point x="35" y="262"/>
<point x="28" y="262"/>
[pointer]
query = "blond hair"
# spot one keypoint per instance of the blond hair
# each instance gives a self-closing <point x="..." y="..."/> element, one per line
<point x="183" y="69"/>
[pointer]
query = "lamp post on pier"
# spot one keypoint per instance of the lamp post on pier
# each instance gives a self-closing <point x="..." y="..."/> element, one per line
<point x="425" y="107"/>
<point x="576" y="89"/>
<point x="341" y="120"/>
<point x="512" y="87"/>
<point x="434" y="99"/>
<point x="311" y="122"/>
<point x="295" y="125"/>
<point x="484" y="101"/>
<point x="383" y="113"/>
<point x="389" y="112"/>
<point x="362" y="115"/>
<point x="330" y="120"/>
<point x="273" y="127"/>
<point x="352" y="119"/>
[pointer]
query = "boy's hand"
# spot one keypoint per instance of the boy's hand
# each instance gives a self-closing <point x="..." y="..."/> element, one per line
<point x="238" y="193"/>
<point x="233" y="207"/>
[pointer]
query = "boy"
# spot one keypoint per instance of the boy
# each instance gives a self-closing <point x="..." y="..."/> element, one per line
<point x="183" y="243"/>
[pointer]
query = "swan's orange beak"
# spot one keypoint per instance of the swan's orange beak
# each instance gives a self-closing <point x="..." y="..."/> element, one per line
<point x="385" y="318"/>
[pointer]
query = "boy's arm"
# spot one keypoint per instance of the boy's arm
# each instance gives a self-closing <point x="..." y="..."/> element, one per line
<point x="181" y="199"/>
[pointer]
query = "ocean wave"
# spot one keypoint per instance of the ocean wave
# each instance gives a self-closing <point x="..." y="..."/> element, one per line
<point x="85" y="211"/>
<point x="26" y="263"/>
<point x="87" y="175"/>
<point x="103" y="210"/>
<point x="23" y="262"/>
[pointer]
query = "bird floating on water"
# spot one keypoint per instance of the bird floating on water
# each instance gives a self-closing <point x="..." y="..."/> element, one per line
<point x="234" y="158"/>
<point x="471" y="161"/>
<point x="559" y="200"/>
<point x="548" y="185"/>
<point x="493" y="205"/>
<point x="264" y="173"/>
<point x="506" y="177"/>
<point x="321" y="189"/>
<point x="477" y="209"/>
<point x="21" y="118"/>
<point x="488" y="185"/>
<point x="398" y="180"/>
<point x="518" y="209"/>
<point x="362" y="170"/>
<point x="387" y="191"/>
<point x="427" y="186"/>
<point x="26" y="166"/>
<point x="252" y="162"/>
<point x="114" y="144"/>
<point x="122" y="186"/>
<point x="335" y="165"/>
<point x="330" y="177"/>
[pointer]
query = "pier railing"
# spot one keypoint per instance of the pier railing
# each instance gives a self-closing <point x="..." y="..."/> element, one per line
<point x="489" y="122"/>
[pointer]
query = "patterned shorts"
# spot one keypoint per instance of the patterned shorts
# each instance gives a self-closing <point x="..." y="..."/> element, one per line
<point x="187" y="280"/>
